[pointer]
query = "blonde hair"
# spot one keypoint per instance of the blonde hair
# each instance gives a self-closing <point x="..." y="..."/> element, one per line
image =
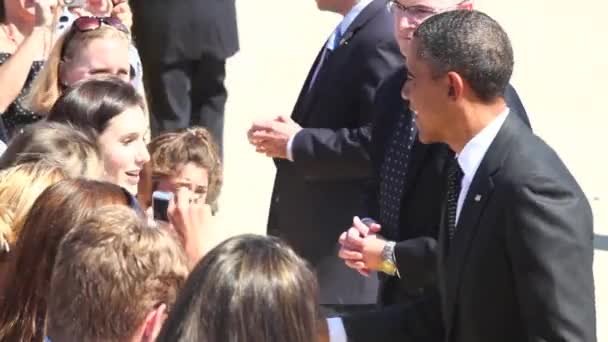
<point x="55" y="212"/>
<point x="47" y="87"/>
<point x="110" y="272"/>
<point x="20" y="186"/>
<point x="169" y="151"/>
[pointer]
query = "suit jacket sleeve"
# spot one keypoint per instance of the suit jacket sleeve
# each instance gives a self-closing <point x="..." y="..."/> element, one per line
<point x="549" y="240"/>
<point x="417" y="260"/>
<point x="419" y="321"/>
<point x="334" y="154"/>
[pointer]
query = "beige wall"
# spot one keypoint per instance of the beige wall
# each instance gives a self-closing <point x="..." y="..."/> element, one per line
<point x="561" y="74"/>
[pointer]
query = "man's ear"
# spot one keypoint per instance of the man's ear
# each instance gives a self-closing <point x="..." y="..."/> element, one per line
<point x="455" y="85"/>
<point x="153" y="323"/>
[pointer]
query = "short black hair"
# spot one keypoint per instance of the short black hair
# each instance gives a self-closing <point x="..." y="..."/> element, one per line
<point x="471" y="44"/>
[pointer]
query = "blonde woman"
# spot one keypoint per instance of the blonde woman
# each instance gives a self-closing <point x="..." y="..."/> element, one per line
<point x="92" y="46"/>
<point x="27" y="34"/>
<point x="19" y="187"/>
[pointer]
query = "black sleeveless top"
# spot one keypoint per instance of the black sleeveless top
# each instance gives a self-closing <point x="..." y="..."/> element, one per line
<point x="16" y="115"/>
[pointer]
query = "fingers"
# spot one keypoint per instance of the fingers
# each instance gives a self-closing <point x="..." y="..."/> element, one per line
<point x="364" y="272"/>
<point x="350" y="255"/>
<point x="182" y="197"/>
<point x="351" y="239"/>
<point x="360" y="226"/>
<point x="264" y="135"/>
<point x="262" y="125"/>
<point x="286" y="119"/>
<point x="357" y="265"/>
<point x="375" y="228"/>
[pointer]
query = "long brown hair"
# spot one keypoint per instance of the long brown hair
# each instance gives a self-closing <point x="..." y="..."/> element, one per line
<point x="58" y="209"/>
<point x="249" y="288"/>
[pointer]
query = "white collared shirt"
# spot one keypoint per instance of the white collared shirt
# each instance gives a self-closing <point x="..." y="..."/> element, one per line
<point x="472" y="154"/>
<point x="347" y="20"/>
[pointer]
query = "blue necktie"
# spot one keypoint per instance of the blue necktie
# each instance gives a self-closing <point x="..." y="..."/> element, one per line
<point x="393" y="173"/>
<point x="337" y="36"/>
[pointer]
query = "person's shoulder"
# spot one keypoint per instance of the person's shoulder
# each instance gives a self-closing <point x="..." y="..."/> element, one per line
<point x="532" y="163"/>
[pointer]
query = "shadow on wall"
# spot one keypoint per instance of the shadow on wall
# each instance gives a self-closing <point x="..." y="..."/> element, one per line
<point x="601" y="242"/>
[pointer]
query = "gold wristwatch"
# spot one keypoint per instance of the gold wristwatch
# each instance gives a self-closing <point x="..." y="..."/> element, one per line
<point x="389" y="263"/>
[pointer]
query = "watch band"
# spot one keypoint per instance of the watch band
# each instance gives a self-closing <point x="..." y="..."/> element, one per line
<point x="389" y="264"/>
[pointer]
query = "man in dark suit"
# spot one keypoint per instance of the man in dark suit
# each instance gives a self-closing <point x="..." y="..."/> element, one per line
<point x="322" y="162"/>
<point x="514" y="253"/>
<point x="413" y="203"/>
<point x="184" y="45"/>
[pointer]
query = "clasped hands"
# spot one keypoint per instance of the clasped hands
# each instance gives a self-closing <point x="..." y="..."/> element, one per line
<point x="270" y="137"/>
<point x="361" y="247"/>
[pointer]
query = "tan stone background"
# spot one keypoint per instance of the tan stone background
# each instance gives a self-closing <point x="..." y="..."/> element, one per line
<point x="561" y="74"/>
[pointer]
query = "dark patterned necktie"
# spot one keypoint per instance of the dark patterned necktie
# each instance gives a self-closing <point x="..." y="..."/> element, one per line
<point x="453" y="191"/>
<point x="393" y="173"/>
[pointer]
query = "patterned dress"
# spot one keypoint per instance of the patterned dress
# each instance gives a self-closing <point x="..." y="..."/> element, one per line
<point x="16" y="115"/>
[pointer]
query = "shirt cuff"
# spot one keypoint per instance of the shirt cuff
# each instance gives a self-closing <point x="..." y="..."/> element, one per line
<point x="289" y="151"/>
<point x="336" y="330"/>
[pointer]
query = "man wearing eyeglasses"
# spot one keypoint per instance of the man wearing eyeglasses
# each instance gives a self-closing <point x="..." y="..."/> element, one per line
<point x="320" y="151"/>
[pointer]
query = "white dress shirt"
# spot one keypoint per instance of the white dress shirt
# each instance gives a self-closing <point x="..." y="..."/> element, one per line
<point x="2" y="147"/>
<point x="472" y="154"/>
<point x="330" y="44"/>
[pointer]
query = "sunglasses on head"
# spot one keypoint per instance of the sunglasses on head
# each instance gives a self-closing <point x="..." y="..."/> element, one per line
<point x="84" y="24"/>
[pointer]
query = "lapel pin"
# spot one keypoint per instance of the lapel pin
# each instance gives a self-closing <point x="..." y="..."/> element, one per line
<point x="346" y="38"/>
<point x="477" y="198"/>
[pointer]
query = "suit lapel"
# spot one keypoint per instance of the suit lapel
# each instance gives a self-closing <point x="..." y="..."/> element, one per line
<point x="304" y="97"/>
<point x="480" y="191"/>
<point x="340" y="53"/>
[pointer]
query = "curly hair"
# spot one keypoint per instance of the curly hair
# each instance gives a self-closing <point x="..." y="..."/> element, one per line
<point x="195" y="145"/>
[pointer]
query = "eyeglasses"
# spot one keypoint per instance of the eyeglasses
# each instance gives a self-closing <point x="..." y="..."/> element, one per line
<point x="84" y="24"/>
<point x="416" y="12"/>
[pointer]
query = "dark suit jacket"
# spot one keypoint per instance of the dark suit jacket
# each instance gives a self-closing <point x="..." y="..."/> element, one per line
<point x="520" y="265"/>
<point x="422" y="195"/>
<point x="412" y="300"/>
<point x="315" y="197"/>
<point x="179" y="30"/>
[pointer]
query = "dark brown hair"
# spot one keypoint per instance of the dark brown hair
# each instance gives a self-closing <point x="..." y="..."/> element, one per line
<point x="249" y="288"/>
<point x="91" y="104"/>
<point x="59" y="208"/>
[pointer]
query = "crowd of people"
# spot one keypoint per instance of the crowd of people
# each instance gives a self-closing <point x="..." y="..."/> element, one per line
<point x="464" y="226"/>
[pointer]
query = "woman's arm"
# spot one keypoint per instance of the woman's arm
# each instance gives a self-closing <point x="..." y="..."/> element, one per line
<point x="14" y="72"/>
